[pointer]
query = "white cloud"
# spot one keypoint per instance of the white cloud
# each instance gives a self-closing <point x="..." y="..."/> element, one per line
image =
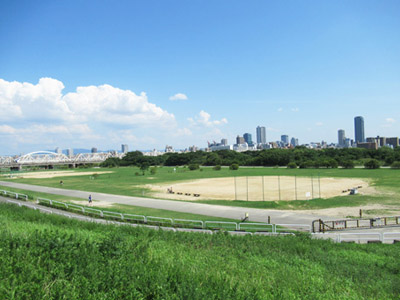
<point x="280" y="109"/>
<point x="41" y="116"/>
<point x="44" y="102"/>
<point x="319" y="124"/>
<point x="295" y="109"/>
<point x="204" y="119"/>
<point x="178" y="96"/>
<point x="390" y="120"/>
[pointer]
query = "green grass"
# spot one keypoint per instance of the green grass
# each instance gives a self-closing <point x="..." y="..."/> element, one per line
<point x="50" y="257"/>
<point x="121" y="208"/>
<point x="123" y="181"/>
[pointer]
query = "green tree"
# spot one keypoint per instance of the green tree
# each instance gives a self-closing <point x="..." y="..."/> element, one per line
<point x="372" y="164"/>
<point x="234" y="167"/>
<point x="144" y="166"/>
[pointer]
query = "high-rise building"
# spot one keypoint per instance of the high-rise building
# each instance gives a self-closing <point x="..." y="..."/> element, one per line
<point x="70" y="152"/>
<point x="261" y="136"/>
<point x="359" y="130"/>
<point x="285" y="139"/>
<point x="94" y="150"/>
<point x="393" y="141"/>
<point x="124" y="148"/>
<point x="58" y="150"/>
<point x="224" y="142"/>
<point x="341" y="138"/>
<point x="247" y="138"/>
<point x="294" y="142"/>
<point x="240" y="140"/>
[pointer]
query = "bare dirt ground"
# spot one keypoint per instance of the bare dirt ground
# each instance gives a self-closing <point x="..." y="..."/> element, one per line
<point x="52" y="174"/>
<point x="258" y="188"/>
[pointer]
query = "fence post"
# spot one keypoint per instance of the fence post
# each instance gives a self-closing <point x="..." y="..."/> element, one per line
<point x="262" y="178"/>
<point x="279" y="186"/>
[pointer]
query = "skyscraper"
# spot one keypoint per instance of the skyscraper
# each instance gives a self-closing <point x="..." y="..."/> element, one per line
<point x="359" y="129"/>
<point x="240" y="140"/>
<point x="285" y="139"/>
<point x="261" y="138"/>
<point x="124" y="148"/>
<point x="341" y="138"/>
<point x="248" y="139"/>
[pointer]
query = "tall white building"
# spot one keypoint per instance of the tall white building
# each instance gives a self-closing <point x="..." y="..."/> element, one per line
<point x="341" y="138"/>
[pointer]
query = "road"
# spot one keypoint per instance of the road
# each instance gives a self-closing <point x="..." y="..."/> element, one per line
<point x="255" y="215"/>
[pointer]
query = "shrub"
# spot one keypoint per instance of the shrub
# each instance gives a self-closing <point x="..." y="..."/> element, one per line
<point x="234" y="167"/>
<point x="372" y="164"/>
<point x="348" y="164"/>
<point x="153" y="170"/>
<point x="217" y="167"/>
<point x="395" y="165"/>
<point x="193" y="167"/>
<point x="292" y="165"/>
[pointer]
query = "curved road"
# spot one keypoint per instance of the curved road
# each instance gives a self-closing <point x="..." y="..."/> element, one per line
<point x="256" y="215"/>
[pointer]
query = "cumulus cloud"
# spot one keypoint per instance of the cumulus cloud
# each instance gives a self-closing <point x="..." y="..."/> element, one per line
<point x="42" y="114"/>
<point x="295" y="109"/>
<point x="319" y="124"/>
<point x="45" y="102"/>
<point x="178" y="97"/>
<point x="204" y="119"/>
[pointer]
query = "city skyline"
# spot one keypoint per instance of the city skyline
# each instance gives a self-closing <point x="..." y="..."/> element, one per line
<point x="181" y="73"/>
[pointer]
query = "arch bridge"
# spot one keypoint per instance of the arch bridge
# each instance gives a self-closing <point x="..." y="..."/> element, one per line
<point x="50" y="159"/>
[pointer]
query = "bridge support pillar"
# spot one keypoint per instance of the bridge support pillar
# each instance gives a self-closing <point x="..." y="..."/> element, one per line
<point x="72" y="166"/>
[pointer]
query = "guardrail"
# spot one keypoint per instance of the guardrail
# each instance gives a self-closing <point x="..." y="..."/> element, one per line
<point x="14" y="195"/>
<point x="360" y="223"/>
<point x="369" y="236"/>
<point x="258" y="227"/>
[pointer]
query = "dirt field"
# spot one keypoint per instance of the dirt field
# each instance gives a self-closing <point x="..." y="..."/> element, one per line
<point x="52" y="174"/>
<point x="260" y="188"/>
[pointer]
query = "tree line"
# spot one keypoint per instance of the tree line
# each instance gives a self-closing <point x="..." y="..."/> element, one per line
<point x="301" y="157"/>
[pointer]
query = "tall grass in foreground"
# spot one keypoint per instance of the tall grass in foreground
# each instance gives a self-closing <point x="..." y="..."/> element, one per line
<point x="50" y="257"/>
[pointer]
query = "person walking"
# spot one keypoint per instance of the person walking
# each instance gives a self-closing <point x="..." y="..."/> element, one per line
<point x="90" y="199"/>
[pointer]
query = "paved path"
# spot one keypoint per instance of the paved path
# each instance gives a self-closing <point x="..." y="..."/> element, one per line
<point x="256" y="215"/>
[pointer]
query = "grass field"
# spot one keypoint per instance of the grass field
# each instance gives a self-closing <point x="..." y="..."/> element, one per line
<point x="51" y="257"/>
<point x="123" y="181"/>
<point x="121" y="208"/>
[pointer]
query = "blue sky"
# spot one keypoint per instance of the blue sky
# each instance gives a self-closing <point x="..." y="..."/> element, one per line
<point x="88" y="74"/>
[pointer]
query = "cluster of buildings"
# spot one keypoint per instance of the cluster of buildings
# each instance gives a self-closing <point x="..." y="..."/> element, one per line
<point x="70" y="152"/>
<point x="361" y="142"/>
<point x="246" y="143"/>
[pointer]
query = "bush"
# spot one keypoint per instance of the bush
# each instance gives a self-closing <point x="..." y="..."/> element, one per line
<point x="217" y="168"/>
<point x="395" y="165"/>
<point x="292" y="165"/>
<point x="153" y="170"/>
<point x="234" y="167"/>
<point x="193" y="167"/>
<point x="372" y="164"/>
<point x="348" y="164"/>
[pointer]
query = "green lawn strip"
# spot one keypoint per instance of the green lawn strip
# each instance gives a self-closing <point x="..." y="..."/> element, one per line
<point x="50" y="257"/>
<point x="340" y="201"/>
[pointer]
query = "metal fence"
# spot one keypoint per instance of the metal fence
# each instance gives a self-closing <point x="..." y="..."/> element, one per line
<point x="14" y="195"/>
<point x="209" y="227"/>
